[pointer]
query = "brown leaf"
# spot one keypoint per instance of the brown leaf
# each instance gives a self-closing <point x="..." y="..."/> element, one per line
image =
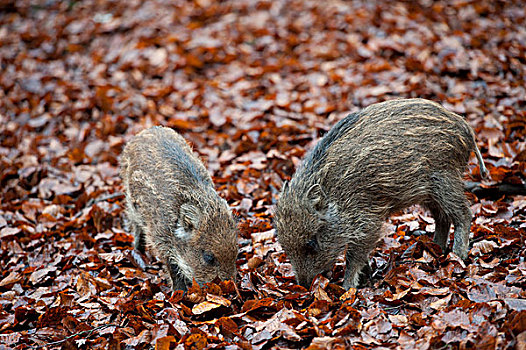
<point x="164" y="343"/>
<point x="195" y="341"/>
<point x="12" y="278"/>
<point x="276" y="326"/>
<point x="322" y="343"/>
<point x="84" y="285"/>
<point x="521" y="340"/>
<point x="483" y="247"/>
<point x="10" y="338"/>
<point x="204" y="307"/>
<point x="52" y="317"/>
<point x="40" y="275"/>
<point x="228" y="326"/>
<point x="9" y="232"/>
<point x="142" y="338"/>
<point x="321" y="294"/>
<point x="349" y="295"/>
<point x="515" y="304"/>
<point x="49" y="187"/>
<point x="218" y="300"/>
<point x="252" y="86"/>
<point x="254" y="262"/>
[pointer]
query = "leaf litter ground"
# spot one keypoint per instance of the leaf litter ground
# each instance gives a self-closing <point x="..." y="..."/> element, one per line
<point x="252" y="85"/>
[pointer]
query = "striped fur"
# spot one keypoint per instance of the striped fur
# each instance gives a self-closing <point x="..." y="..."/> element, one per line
<point x="372" y="163"/>
<point x="173" y="209"/>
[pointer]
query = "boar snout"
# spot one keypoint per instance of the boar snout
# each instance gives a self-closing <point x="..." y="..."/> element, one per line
<point x="304" y="280"/>
<point x="228" y="275"/>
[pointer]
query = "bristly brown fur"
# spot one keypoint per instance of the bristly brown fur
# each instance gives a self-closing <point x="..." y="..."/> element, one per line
<point x="173" y="209"/>
<point x="372" y="163"/>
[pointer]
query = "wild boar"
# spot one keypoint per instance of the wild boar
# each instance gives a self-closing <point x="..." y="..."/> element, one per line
<point x="371" y="164"/>
<point x="173" y="209"/>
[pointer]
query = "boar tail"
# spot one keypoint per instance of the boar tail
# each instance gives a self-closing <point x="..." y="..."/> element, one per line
<point x="483" y="170"/>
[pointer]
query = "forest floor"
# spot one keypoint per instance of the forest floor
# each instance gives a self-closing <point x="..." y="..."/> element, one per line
<point x="252" y="85"/>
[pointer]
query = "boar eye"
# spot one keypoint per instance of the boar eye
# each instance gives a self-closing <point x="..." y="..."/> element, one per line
<point x="312" y="246"/>
<point x="209" y="258"/>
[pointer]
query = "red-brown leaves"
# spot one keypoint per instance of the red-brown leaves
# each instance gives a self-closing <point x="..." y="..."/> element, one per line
<point x="252" y="85"/>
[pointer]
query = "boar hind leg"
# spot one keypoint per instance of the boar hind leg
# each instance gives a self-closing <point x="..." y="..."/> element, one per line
<point x="355" y="260"/>
<point x="442" y="226"/>
<point x="462" y="223"/>
<point x="448" y="193"/>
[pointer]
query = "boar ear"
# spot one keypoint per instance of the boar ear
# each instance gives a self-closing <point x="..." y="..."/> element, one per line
<point x="188" y="217"/>
<point x="317" y="198"/>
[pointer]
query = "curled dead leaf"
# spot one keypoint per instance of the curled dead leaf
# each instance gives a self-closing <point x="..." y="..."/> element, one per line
<point x="12" y="278"/>
<point x="483" y="247"/>
<point x="204" y="307"/>
<point x="218" y="300"/>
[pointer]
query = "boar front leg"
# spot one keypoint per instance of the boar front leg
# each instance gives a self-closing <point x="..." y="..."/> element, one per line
<point x="442" y="226"/>
<point x="139" y="242"/>
<point x="355" y="260"/>
<point x="462" y="223"/>
<point x="178" y="280"/>
<point x="134" y="226"/>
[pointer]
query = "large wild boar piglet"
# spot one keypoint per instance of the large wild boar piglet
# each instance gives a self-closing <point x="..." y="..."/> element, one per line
<point x="371" y="164"/>
<point x="174" y="211"/>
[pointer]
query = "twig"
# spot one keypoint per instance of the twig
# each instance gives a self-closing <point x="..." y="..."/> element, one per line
<point x="87" y="332"/>
<point x="409" y="251"/>
<point x="98" y="199"/>
<point x="499" y="190"/>
<point x="391" y="308"/>
<point x="403" y="261"/>
<point x="104" y="198"/>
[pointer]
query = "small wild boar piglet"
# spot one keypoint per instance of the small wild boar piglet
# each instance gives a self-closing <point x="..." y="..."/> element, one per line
<point x="173" y="209"/>
<point x="372" y="163"/>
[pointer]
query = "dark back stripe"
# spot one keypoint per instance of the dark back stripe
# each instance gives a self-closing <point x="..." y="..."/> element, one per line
<point x="316" y="157"/>
<point x="183" y="161"/>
